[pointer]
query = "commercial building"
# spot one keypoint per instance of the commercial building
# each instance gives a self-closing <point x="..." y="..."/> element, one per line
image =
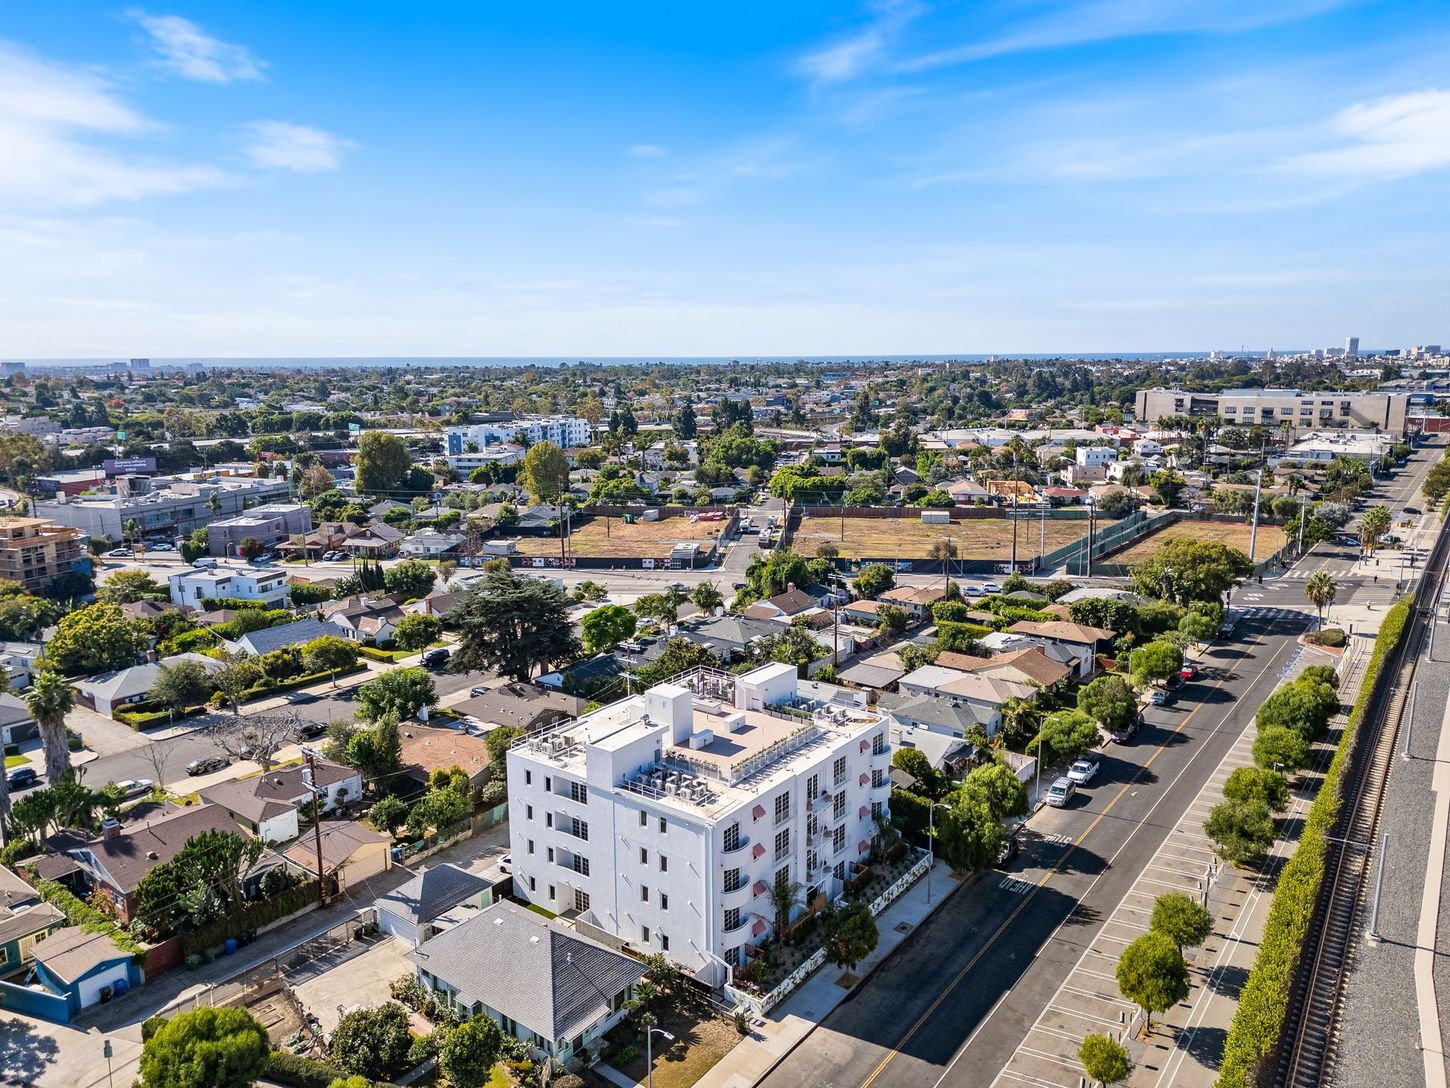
<point x="271" y="524"/>
<point x="663" y="820"/>
<point x="161" y="507"/>
<point x="36" y="551"/>
<point x="1279" y="407"/>
<point x="1326" y="446"/>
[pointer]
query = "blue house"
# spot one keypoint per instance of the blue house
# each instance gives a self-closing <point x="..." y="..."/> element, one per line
<point x="83" y="968"/>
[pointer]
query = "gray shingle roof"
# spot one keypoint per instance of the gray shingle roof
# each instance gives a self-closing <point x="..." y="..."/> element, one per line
<point x="518" y="963"/>
<point x="289" y="634"/>
<point x="433" y="892"/>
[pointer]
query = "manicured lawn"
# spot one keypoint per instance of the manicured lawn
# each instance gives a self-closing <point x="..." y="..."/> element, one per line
<point x="15" y="761"/>
<point x="540" y="910"/>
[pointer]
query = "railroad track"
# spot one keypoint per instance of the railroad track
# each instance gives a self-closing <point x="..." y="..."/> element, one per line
<point x="1308" y="1044"/>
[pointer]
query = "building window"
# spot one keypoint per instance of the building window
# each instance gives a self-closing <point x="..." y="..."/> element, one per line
<point x="548" y="784"/>
<point x="838" y="807"/>
<point x="581" y="901"/>
<point x="551" y="855"/>
<point x="878" y="744"/>
<point x="732" y="956"/>
<point x="579" y="828"/>
<point x="579" y="792"/>
<point x="838" y="839"/>
<point x="664" y="864"/>
<point x="531" y="846"/>
<point x="528" y="778"/>
<point x="644" y="893"/>
<point x="878" y="778"/>
<point x="877" y="810"/>
<point x="732" y="838"/>
<point x="664" y="943"/>
<point x="782" y="808"/>
<point x="811" y="862"/>
<point x="663" y="826"/>
<point x="732" y="880"/>
<point x="581" y="865"/>
<point x="644" y="934"/>
<point x="838" y="770"/>
<point x="528" y="812"/>
<point x="813" y="788"/>
<point x="643" y="818"/>
<point x="548" y="819"/>
<point x="643" y="856"/>
<point x="732" y="919"/>
<point x="533" y="886"/>
<point x="782" y="843"/>
<point x="664" y="901"/>
<point x="552" y="896"/>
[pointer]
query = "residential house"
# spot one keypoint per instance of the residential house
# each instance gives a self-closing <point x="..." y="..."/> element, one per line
<point x="430" y="544"/>
<point x="296" y="633"/>
<point x="375" y="540"/>
<point x="879" y="672"/>
<point x="428" y="748"/>
<point x="24" y="919"/>
<point x="543" y="983"/>
<point x="783" y="606"/>
<point x="263" y="585"/>
<point x="1077" y="639"/>
<point x="946" y="752"/>
<point x="966" y="492"/>
<point x="16" y="721"/>
<point x="438" y="898"/>
<point x="351" y="851"/>
<point x="1030" y="666"/>
<point x="364" y="619"/>
<point x="916" y="600"/>
<point x="113" y="862"/>
<point x="84" y="968"/>
<point x="939" y="714"/>
<point x="18" y="660"/>
<point x="109" y="691"/>
<point x="522" y="706"/>
<point x="267" y="805"/>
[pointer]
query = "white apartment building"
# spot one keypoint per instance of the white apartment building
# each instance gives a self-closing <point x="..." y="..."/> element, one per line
<point x="1095" y="456"/>
<point x="563" y="431"/>
<point x="267" y="587"/>
<point x="1279" y="408"/>
<point x="664" y="819"/>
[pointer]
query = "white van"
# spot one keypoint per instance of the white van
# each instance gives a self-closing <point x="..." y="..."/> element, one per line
<point x="205" y="563"/>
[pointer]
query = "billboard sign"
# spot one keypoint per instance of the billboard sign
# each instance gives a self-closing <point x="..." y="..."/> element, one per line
<point x="119" y="466"/>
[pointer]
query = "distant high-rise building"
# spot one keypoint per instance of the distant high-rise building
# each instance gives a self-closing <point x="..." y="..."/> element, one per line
<point x="12" y="368"/>
<point x="1351" y="345"/>
<point x="140" y="364"/>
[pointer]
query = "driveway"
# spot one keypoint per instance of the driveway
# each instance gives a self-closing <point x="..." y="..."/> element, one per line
<point x="328" y="988"/>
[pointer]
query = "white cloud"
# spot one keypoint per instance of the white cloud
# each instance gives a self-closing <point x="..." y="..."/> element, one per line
<point x="848" y="57"/>
<point x="54" y="126"/>
<point x="190" y="52"/>
<point x="1389" y="137"/>
<point x="284" y="146"/>
<point x="647" y="151"/>
<point x="1077" y="23"/>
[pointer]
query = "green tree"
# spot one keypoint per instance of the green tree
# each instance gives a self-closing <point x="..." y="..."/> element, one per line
<point x="680" y="655"/>
<point x="372" y="1043"/>
<point x="849" y="934"/>
<point x="207" y="1048"/>
<point x="130" y="586"/>
<point x="1069" y="733"/>
<point x="470" y="1051"/>
<point x="1320" y="591"/>
<point x="664" y="607"/>
<point x="1004" y="792"/>
<point x="181" y="686"/>
<point x="1183" y="918"/>
<point x="929" y="782"/>
<point x="606" y="627"/>
<point x="1373" y="525"/>
<point x="1155" y="661"/>
<point x="250" y="548"/>
<point x="400" y="692"/>
<point x="439" y="808"/>
<point x="707" y="597"/>
<point x="418" y="630"/>
<point x="49" y="700"/>
<point x="1305" y="705"/>
<point x="1191" y="570"/>
<point x="1104" y="1059"/>
<point x="545" y="472"/>
<point x="970" y="835"/>
<point x="95" y="639"/>
<point x="873" y="580"/>
<point x="382" y="463"/>
<point x="511" y="625"/>
<point x="1153" y="974"/>
<point x="1258" y="784"/>
<point x="376" y="751"/>
<point x="1242" y="831"/>
<point x="1109" y="701"/>
<point x="329" y="653"/>
<point x="388" y="814"/>
<point x="1198" y="627"/>
<point x="1279" y="747"/>
<point x="411" y="578"/>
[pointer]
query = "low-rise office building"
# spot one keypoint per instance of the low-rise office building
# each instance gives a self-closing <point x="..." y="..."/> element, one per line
<point x="1294" y="408"/>
<point x="663" y="820"/>
<point x="271" y="524"/>
<point x="160" y="507"/>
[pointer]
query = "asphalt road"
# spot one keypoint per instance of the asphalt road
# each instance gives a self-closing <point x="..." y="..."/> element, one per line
<point x="954" y="1003"/>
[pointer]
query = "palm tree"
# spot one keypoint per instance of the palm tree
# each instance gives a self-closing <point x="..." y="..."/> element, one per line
<point x="707" y="597"/>
<point x="785" y="893"/>
<point x="50" y="700"/>
<point x="131" y="532"/>
<point x="1320" y="591"/>
<point x="945" y="551"/>
<point x="1374" y="524"/>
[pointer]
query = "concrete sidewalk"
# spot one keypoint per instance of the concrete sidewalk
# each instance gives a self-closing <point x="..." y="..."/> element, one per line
<point x="796" y="1017"/>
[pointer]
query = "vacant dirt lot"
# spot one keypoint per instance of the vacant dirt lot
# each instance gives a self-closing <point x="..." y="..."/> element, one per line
<point x="908" y="538"/>
<point x="1234" y="534"/>
<point x="642" y="539"/>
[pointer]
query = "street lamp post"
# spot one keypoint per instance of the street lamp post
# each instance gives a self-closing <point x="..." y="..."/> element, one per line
<point x="649" y="1054"/>
<point x="931" y="842"/>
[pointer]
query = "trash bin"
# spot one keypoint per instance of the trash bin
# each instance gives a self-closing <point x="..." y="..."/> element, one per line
<point x="230" y="946"/>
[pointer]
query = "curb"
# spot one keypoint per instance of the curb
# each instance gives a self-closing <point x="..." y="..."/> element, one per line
<point x="864" y="978"/>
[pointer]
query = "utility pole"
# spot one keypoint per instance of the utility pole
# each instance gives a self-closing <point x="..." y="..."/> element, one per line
<point x="1258" y="490"/>
<point x="1303" y="504"/>
<point x="1015" y="476"/>
<point x="311" y="754"/>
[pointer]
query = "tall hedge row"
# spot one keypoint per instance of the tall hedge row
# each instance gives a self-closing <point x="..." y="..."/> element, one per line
<point x="1264" y="1001"/>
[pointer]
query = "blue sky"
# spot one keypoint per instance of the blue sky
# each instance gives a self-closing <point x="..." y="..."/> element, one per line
<point x="481" y="178"/>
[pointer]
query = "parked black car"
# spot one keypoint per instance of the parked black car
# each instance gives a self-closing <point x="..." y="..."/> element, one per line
<point x="437" y="659"/>
<point x="22" y="778"/>
<point x="205" y="765"/>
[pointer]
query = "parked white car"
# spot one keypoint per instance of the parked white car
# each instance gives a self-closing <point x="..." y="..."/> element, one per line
<point x="1083" y="771"/>
<point x="1060" y="792"/>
